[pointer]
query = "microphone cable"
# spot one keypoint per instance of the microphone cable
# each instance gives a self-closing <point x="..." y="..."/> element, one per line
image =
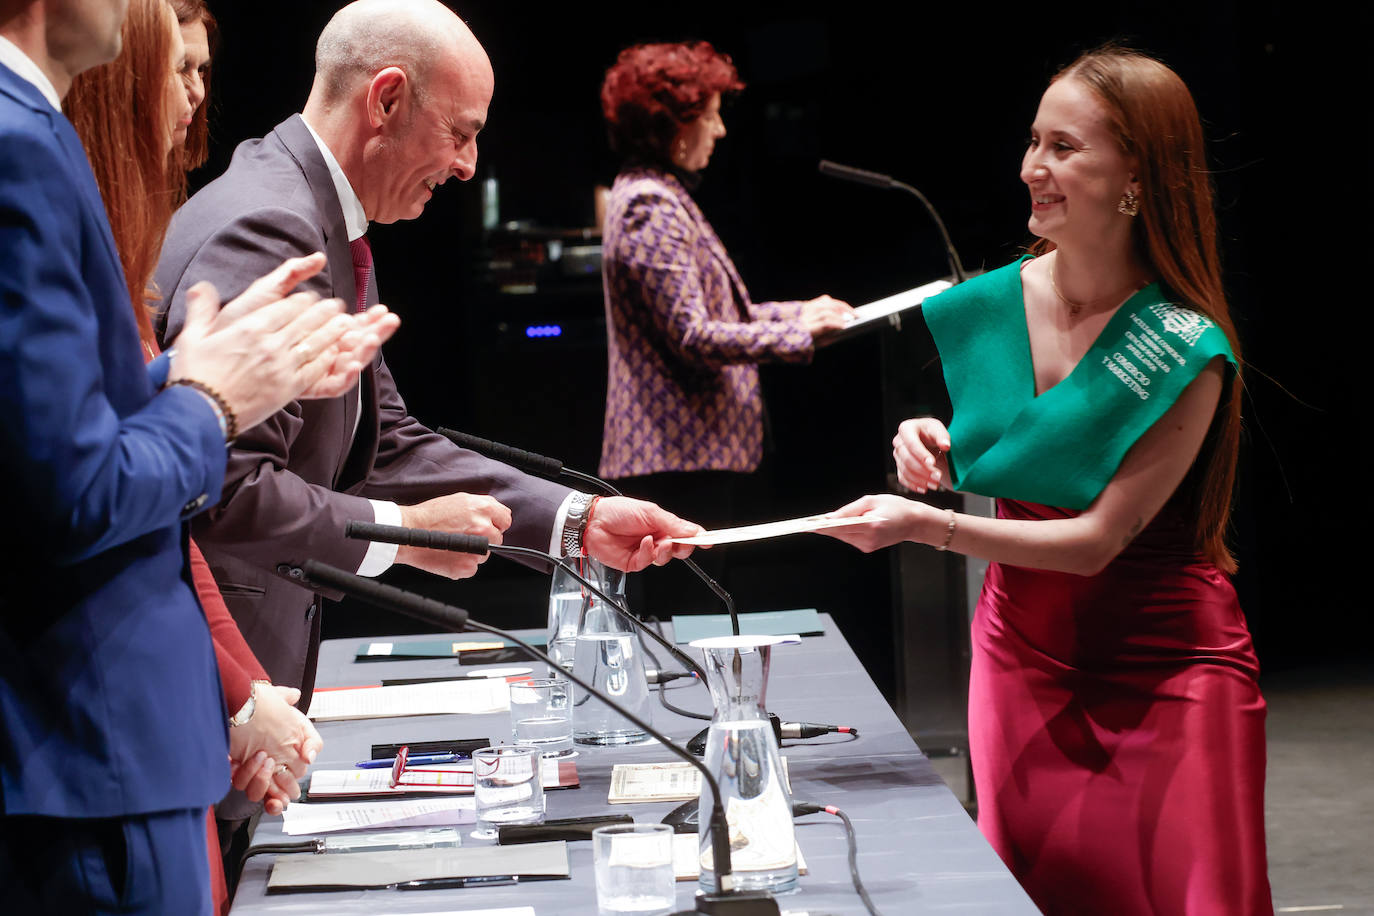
<point x="800" y="809"/>
<point x="316" y="846"/>
<point x="657" y="625"/>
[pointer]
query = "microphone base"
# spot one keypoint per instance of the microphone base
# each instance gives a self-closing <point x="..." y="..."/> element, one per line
<point x="697" y="745"/>
<point x="738" y="903"/>
<point x="684" y="818"/>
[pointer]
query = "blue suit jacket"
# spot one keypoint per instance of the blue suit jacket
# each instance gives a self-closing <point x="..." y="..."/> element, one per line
<point x="109" y="699"/>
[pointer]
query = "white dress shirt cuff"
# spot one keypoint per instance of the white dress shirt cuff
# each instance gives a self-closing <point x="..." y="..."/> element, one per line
<point x="379" y="556"/>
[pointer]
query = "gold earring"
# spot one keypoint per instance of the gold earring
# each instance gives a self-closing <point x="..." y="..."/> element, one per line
<point x="1129" y="203"/>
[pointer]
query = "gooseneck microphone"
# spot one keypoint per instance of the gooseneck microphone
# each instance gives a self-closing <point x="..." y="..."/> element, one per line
<point x="887" y="182"/>
<point x="544" y="466"/>
<point x="471" y="543"/>
<point x="529" y="462"/>
<point x="730" y="901"/>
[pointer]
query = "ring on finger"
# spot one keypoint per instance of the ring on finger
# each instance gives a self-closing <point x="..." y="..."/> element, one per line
<point x="302" y="354"/>
<point x="282" y="768"/>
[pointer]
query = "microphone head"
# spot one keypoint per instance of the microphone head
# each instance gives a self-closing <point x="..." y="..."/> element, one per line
<point x="849" y="173"/>
<point x="416" y="537"/>
<point x="529" y="462"/>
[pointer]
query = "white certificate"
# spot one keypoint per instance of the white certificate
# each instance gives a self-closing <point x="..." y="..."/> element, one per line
<point x="775" y="529"/>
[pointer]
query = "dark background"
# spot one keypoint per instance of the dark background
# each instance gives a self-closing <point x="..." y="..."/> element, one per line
<point x="940" y="97"/>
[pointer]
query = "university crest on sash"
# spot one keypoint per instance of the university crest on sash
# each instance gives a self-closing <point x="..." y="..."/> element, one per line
<point x="1186" y="323"/>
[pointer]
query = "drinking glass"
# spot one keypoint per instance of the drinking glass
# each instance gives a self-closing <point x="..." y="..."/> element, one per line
<point x="507" y="787"/>
<point x="634" y="869"/>
<point x="541" y="715"/>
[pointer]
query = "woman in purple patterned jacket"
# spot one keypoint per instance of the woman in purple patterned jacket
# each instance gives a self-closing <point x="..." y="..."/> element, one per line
<point x="684" y="416"/>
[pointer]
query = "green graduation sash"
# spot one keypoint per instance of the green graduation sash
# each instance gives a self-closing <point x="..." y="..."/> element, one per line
<point x="1061" y="448"/>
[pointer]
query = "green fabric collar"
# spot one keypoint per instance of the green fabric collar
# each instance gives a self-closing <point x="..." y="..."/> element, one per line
<point x="1062" y="447"/>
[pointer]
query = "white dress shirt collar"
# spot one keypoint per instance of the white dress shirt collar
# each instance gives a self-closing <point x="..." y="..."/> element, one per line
<point x="355" y="218"/>
<point x="27" y="70"/>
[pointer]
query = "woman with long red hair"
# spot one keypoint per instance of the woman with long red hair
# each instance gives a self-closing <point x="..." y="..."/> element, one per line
<point x="1116" y="725"/>
<point x="132" y="116"/>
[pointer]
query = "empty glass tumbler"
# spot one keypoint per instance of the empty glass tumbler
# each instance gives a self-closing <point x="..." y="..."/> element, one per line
<point x="541" y="715"/>
<point x="507" y="787"/>
<point x="634" y="869"/>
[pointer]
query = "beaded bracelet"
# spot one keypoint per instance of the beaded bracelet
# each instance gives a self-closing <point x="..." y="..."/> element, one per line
<point x="228" y="423"/>
<point x="949" y="532"/>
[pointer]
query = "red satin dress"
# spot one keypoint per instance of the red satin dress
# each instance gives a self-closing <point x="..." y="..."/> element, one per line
<point x="1116" y="731"/>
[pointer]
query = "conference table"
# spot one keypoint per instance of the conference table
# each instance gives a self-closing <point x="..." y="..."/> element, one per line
<point x="918" y="850"/>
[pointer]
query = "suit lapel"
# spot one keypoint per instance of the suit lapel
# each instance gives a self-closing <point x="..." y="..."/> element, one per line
<point x="360" y="430"/>
<point x="295" y="136"/>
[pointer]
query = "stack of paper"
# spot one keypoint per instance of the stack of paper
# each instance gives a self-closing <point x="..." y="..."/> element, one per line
<point x="436" y="698"/>
<point x="687" y="857"/>
<point x="303" y="819"/>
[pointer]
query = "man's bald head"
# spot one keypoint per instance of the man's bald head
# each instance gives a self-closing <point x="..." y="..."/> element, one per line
<point x="401" y="92"/>
<point x="368" y="36"/>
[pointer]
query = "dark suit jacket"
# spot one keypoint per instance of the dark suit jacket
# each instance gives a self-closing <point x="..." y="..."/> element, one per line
<point x="109" y="699"/>
<point x="294" y="480"/>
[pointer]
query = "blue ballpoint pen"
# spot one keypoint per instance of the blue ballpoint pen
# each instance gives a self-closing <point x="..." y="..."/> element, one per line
<point x="415" y="760"/>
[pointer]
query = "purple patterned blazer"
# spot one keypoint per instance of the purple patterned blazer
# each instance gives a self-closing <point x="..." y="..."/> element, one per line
<point x="682" y="392"/>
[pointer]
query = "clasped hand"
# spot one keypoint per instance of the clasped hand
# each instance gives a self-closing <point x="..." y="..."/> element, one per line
<point x="273" y="749"/>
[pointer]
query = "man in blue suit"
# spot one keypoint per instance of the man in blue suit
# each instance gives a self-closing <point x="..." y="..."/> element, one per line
<point x="112" y="726"/>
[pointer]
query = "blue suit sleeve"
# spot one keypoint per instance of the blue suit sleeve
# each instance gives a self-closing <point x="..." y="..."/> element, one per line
<point x="92" y="456"/>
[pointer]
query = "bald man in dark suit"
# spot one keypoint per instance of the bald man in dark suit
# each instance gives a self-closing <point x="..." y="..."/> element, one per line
<point x="400" y="93"/>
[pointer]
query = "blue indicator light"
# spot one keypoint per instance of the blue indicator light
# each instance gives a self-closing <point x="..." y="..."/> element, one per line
<point x="544" y="330"/>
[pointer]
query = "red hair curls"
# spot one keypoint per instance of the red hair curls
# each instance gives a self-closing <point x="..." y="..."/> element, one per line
<point x="653" y="90"/>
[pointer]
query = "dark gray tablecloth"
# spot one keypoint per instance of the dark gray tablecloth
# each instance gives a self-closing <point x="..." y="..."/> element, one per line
<point x="918" y="850"/>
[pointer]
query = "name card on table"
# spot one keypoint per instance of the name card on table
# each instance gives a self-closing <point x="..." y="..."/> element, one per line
<point x="659" y="782"/>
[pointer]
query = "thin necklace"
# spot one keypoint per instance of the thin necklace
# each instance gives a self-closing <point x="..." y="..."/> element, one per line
<point x="1075" y="307"/>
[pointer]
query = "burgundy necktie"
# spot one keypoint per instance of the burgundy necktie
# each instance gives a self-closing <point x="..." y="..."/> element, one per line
<point x="362" y="268"/>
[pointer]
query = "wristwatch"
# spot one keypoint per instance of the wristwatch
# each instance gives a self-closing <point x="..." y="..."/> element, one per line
<point x="245" y="713"/>
<point x="575" y="523"/>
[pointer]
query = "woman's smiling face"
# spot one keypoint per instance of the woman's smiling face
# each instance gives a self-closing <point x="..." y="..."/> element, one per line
<point x="1074" y="167"/>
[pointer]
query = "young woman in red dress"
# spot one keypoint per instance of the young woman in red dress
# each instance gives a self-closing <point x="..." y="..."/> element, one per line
<point x="1115" y="719"/>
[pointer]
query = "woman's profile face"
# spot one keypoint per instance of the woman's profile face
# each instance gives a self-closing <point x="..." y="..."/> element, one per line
<point x="176" y="102"/>
<point x="1074" y="167"/>
<point x="196" y="65"/>
<point x="694" y="143"/>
